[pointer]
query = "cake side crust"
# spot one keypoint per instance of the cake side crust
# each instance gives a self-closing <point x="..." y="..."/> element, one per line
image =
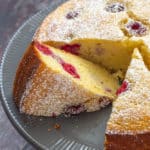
<point x="127" y="141"/>
<point x="30" y="62"/>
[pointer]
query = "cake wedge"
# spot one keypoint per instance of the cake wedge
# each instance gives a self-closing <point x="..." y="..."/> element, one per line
<point x="61" y="83"/>
<point x="129" y="124"/>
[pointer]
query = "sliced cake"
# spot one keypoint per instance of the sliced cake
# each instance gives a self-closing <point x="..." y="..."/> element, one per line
<point x="90" y="29"/>
<point x="61" y="83"/>
<point x="91" y="42"/>
<point x="99" y="30"/>
<point x="129" y="124"/>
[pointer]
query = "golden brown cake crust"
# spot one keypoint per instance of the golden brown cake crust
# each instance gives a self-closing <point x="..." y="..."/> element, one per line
<point x="30" y="62"/>
<point x="128" y="142"/>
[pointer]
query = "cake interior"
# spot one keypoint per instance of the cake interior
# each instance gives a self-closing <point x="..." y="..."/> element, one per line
<point x="131" y="114"/>
<point x="64" y="83"/>
<point x="90" y="76"/>
<point x="112" y="55"/>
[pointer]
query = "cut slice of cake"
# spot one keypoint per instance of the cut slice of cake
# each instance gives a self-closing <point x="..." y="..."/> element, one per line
<point x="61" y="83"/>
<point x="129" y="124"/>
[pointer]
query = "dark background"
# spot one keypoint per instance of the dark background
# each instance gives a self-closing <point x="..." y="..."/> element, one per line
<point x="12" y="14"/>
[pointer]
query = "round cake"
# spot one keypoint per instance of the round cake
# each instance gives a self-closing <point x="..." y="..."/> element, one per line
<point x="85" y="55"/>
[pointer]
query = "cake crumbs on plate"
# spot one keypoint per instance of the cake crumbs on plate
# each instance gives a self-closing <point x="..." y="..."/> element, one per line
<point x="57" y="126"/>
<point x="49" y="129"/>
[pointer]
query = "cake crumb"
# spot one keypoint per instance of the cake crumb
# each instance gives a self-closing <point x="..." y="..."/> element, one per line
<point x="49" y="129"/>
<point x="57" y="126"/>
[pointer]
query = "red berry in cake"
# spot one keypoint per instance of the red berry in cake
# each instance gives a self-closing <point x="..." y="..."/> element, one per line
<point x="72" y="15"/>
<point x="115" y="7"/>
<point x="123" y="88"/>
<point x="120" y="80"/>
<point x="74" y="110"/>
<point x="66" y="66"/>
<point x="136" y="28"/>
<point x="45" y="50"/>
<point x="71" y="48"/>
<point x="70" y="69"/>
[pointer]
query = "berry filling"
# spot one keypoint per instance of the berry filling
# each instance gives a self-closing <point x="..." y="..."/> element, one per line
<point x="70" y="69"/>
<point x="115" y="7"/>
<point x="66" y="66"/>
<point x="45" y="50"/>
<point x="72" y="15"/>
<point x="71" y="48"/>
<point x="136" y="28"/>
<point x="123" y="88"/>
<point x="74" y="110"/>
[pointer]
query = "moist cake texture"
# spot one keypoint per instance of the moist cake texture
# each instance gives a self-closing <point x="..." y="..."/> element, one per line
<point x="64" y="83"/>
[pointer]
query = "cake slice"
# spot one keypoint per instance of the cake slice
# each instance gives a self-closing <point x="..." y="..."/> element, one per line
<point x="57" y="82"/>
<point x="129" y="124"/>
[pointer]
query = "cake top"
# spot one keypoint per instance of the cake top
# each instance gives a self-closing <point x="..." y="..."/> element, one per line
<point x="100" y="19"/>
<point x="131" y="111"/>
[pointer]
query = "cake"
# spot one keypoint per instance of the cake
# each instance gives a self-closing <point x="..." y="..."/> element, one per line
<point x="129" y="123"/>
<point x="63" y="83"/>
<point x="99" y="30"/>
<point x="103" y="41"/>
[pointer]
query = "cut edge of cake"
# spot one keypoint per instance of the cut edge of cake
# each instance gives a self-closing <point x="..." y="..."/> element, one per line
<point x="124" y="42"/>
<point x="129" y="123"/>
<point x="69" y="94"/>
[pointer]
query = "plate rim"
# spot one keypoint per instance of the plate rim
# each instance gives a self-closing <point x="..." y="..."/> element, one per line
<point x="3" y="100"/>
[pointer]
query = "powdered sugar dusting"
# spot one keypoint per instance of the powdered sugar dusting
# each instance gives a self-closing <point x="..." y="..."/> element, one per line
<point x="131" y="111"/>
<point x="82" y="26"/>
<point x="104" y="101"/>
<point x="51" y="92"/>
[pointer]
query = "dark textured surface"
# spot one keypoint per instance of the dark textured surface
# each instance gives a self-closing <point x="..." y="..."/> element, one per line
<point x="12" y="14"/>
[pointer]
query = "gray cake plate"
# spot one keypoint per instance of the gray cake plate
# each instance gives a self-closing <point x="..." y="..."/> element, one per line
<point x="83" y="132"/>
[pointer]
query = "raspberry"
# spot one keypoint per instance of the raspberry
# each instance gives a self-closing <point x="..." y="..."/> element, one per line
<point x="71" y="48"/>
<point x="115" y="7"/>
<point x="70" y="69"/>
<point x="72" y="15"/>
<point x="66" y="66"/>
<point x="136" y="28"/>
<point x="123" y="88"/>
<point x="74" y="110"/>
<point x="43" y="48"/>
